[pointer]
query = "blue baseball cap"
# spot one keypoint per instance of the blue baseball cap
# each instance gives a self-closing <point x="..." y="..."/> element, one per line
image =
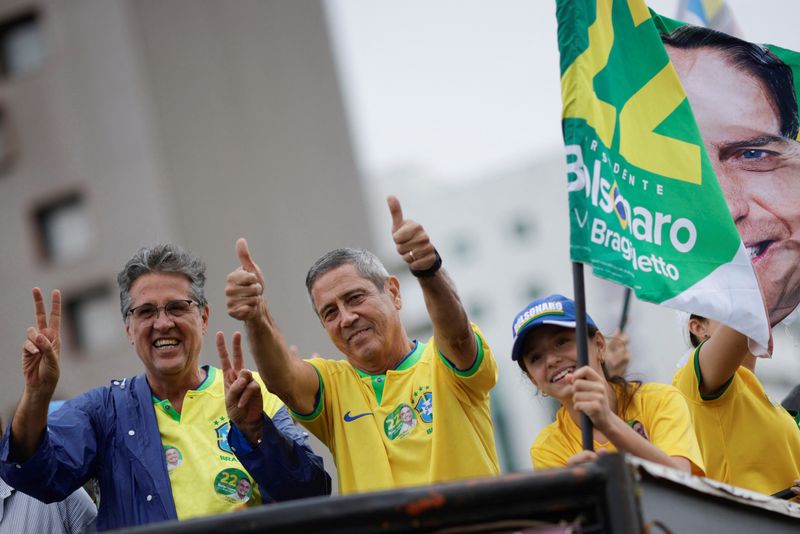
<point x="555" y="309"/>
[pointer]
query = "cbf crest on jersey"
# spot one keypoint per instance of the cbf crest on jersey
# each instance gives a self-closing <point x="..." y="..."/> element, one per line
<point x="222" y="429"/>
<point x="424" y="405"/>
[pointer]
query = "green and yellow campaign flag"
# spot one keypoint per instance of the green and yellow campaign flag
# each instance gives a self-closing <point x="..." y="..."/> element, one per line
<point x="646" y="210"/>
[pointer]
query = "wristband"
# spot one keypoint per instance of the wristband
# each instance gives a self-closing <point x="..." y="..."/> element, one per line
<point x="430" y="271"/>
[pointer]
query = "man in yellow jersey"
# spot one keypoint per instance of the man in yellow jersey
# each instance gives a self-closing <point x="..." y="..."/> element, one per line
<point x="397" y="412"/>
<point x="177" y="441"/>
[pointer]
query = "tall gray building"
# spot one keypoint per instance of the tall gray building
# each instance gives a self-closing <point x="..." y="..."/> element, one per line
<point x="125" y="123"/>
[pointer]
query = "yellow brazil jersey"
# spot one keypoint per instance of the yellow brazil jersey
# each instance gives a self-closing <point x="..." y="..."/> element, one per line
<point x="420" y="423"/>
<point x="747" y="439"/>
<point x="205" y="475"/>
<point x="657" y="412"/>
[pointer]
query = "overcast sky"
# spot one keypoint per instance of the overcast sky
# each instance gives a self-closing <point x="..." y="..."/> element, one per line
<point x="460" y="88"/>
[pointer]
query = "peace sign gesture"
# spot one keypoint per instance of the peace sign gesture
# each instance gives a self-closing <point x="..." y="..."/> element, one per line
<point x="243" y="399"/>
<point x="40" y="352"/>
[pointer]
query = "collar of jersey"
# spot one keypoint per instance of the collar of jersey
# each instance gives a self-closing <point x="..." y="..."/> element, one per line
<point x="407" y="362"/>
<point x="167" y="407"/>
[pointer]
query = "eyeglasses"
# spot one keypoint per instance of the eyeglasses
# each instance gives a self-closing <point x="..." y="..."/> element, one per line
<point x="173" y="308"/>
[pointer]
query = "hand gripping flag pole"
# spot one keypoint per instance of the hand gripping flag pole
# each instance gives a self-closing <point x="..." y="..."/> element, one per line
<point x="582" y="337"/>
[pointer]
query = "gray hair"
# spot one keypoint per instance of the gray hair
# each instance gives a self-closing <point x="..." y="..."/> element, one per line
<point x="162" y="258"/>
<point x="367" y="264"/>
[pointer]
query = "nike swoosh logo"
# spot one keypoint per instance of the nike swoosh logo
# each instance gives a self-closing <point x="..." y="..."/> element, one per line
<point x="348" y="418"/>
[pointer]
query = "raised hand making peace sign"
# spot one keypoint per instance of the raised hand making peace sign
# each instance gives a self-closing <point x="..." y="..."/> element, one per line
<point x="243" y="399"/>
<point x="40" y="355"/>
<point x="40" y="352"/>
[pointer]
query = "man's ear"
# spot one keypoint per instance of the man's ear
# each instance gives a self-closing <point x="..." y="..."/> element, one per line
<point x="206" y="313"/>
<point x="392" y="287"/>
<point x="128" y="330"/>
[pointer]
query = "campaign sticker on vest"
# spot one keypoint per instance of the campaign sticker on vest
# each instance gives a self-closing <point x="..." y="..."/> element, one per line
<point x="233" y="484"/>
<point x="400" y="422"/>
<point x="638" y="427"/>
<point x="424" y="405"/>
<point x="173" y="457"/>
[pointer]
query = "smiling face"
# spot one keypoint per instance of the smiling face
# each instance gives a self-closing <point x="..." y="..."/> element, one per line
<point x="172" y="456"/>
<point x="243" y="487"/>
<point x="362" y="321"/>
<point x="550" y="353"/>
<point x="758" y="170"/>
<point x="169" y="347"/>
<point x="406" y="415"/>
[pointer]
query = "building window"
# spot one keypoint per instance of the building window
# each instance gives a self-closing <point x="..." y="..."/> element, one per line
<point x="476" y="311"/>
<point x="92" y="318"/>
<point x="522" y="228"/>
<point x="64" y="228"/>
<point x="8" y="142"/>
<point x="532" y="291"/>
<point x="21" y="46"/>
<point x="462" y="247"/>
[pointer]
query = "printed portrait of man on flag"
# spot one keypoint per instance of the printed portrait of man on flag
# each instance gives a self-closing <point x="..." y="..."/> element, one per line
<point x="744" y="101"/>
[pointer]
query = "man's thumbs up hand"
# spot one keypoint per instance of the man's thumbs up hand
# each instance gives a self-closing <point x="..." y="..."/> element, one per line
<point x="245" y="286"/>
<point x="410" y="239"/>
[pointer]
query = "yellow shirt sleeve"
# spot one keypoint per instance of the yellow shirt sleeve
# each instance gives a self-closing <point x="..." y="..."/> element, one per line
<point x="671" y="428"/>
<point x="481" y="377"/>
<point x="271" y="402"/>
<point x="317" y="425"/>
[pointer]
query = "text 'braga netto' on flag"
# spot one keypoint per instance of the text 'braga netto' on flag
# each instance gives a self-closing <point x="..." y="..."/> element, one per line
<point x="646" y="209"/>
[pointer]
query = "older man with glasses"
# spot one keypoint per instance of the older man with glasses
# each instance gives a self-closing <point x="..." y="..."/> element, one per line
<point x="222" y="424"/>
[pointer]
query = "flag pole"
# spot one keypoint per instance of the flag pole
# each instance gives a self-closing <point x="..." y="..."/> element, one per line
<point x="626" y="304"/>
<point x="582" y="338"/>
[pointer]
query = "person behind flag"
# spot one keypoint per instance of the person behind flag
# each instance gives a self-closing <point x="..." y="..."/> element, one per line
<point x="618" y="353"/>
<point x="396" y="412"/>
<point x="747" y="439"/>
<point x="717" y="15"/>
<point x="647" y="420"/>
<point x="743" y="99"/>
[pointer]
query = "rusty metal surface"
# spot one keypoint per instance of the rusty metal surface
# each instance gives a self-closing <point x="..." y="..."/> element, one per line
<point x="561" y="500"/>
<point x="616" y="494"/>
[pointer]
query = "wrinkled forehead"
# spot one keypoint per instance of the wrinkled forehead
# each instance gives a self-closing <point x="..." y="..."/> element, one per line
<point x="171" y="285"/>
<point x="337" y="283"/>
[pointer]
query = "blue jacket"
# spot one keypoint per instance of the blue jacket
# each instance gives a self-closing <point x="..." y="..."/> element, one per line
<point x="111" y="433"/>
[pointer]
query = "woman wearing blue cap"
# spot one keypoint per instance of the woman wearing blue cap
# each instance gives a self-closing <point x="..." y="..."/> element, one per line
<point x="647" y="420"/>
